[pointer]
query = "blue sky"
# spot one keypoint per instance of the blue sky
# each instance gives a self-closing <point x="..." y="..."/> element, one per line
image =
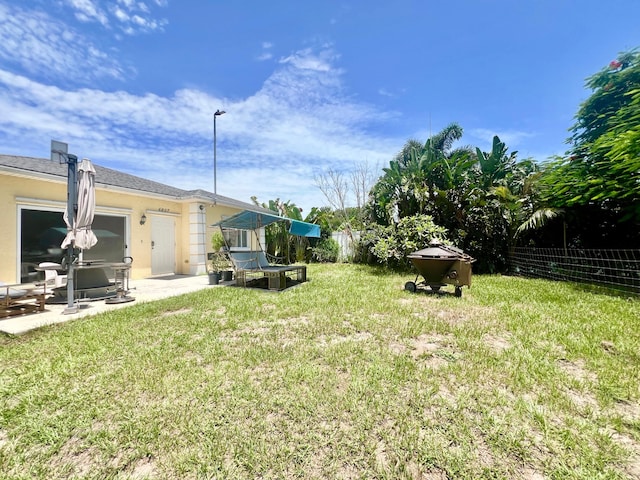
<point x="308" y="86"/>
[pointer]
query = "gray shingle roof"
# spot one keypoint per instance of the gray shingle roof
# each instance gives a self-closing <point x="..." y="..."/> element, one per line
<point x="39" y="167"/>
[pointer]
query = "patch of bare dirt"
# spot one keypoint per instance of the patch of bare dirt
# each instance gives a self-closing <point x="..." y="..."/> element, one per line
<point x="292" y="321"/>
<point x="72" y="454"/>
<point x="326" y="340"/>
<point x="433" y="351"/>
<point x="397" y="348"/>
<point x="381" y="455"/>
<point x="577" y="370"/>
<point x="348" y="472"/>
<point x="251" y="331"/>
<point x="182" y="311"/>
<point x="194" y="356"/>
<point x="629" y="411"/>
<point x="143" y="468"/>
<point x="496" y="343"/>
<point x="531" y="474"/>
<point x="427" y="344"/>
<point x="583" y="401"/>
<point x="417" y="473"/>
<point x="632" y="467"/>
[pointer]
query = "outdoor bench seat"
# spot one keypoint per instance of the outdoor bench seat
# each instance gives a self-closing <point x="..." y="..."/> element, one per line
<point x="19" y="299"/>
<point x="249" y="264"/>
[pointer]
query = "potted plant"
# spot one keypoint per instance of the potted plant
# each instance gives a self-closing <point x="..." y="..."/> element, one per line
<point x="217" y="259"/>
<point x="217" y="262"/>
<point x="227" y="275"/>
<point x="217" y="242"/>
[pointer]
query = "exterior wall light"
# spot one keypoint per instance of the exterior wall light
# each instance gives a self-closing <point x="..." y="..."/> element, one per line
<point x="143" y="219"/>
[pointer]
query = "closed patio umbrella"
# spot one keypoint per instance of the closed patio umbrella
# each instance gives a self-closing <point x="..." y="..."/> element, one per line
<point x="81" y="234"/>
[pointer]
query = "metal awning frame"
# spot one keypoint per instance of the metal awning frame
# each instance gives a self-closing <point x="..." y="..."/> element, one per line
<point x="250" y="220"/>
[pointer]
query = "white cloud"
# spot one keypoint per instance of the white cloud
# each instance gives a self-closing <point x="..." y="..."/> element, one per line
<point x="129" y="16"/>
<point x="266" y="54"/>
<point x="385" y="93"/>
<point x="88" y="11"/>
<point x="270" y="144"/>
<point x="121" y="15"/>
<point x="43" y="45"/>
<point x="308" y="59"/>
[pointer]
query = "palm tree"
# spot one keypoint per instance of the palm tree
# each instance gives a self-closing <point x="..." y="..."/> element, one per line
<point x="416" y="174"/>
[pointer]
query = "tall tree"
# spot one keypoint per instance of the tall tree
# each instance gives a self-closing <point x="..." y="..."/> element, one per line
<point x="602" y="168"/>
<point x="411" y="182"/>
<point x="340" y="190"/>
<point x="479" y="197"/>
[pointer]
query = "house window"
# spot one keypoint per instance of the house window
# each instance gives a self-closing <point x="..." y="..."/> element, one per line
<point x="237" y="239"/>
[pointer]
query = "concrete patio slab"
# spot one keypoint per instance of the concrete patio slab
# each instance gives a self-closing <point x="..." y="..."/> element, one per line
<point x="144" y="290"/>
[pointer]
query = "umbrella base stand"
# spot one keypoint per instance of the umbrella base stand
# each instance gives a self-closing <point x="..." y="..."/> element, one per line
<point x="70" y="310"/>
<point x="119" y="299"/>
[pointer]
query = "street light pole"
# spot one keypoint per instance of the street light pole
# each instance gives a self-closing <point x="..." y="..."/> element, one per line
<point x="215" y="179"/>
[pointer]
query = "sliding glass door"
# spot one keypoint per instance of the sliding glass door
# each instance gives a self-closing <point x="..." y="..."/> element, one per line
<point x="42" y="233"/>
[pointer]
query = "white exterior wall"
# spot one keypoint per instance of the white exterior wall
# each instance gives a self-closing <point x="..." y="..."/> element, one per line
<point x="197" y="239"/>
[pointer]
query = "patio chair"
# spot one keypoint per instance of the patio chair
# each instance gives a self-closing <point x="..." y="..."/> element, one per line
<point x="51" y="276"/>
<point x="252" y="264"/>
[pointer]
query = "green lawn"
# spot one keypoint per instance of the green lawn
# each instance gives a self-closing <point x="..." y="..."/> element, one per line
<point x="347" y="376"/>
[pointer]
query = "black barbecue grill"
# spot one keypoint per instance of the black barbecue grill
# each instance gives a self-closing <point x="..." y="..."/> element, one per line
<point x="441" y="265"/>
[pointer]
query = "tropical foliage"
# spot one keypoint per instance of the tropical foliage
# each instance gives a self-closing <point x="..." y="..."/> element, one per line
<point x="479" y="198"/>
<point x="485" y="201"/>
<point x="325" y="251"/>
<point x="602" y="167"/>
<point x="390" y="244"/>
<point x="280" y="244"/>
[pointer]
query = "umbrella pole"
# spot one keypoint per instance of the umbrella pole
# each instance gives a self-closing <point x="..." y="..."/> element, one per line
<point x="72" y="174"/>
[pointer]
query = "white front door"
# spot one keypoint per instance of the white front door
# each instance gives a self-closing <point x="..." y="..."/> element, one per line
<point x="163" y="245"/>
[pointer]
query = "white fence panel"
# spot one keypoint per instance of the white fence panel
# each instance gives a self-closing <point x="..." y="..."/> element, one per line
<point x="345" y="253"/>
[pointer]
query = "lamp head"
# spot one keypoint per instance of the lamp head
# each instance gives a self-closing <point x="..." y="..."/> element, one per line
<point x="219" y="112"/>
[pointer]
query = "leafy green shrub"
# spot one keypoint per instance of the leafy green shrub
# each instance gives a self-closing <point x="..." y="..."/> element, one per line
<point x="326" y="251"/>
<point x="391" y="244"/>
<point x="217" y="241"/>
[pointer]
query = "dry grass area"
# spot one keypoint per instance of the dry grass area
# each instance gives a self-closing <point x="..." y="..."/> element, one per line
<point x="346" y="377"/>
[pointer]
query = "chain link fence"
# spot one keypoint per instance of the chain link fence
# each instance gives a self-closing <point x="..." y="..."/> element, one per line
<point x="617" y="270"/>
